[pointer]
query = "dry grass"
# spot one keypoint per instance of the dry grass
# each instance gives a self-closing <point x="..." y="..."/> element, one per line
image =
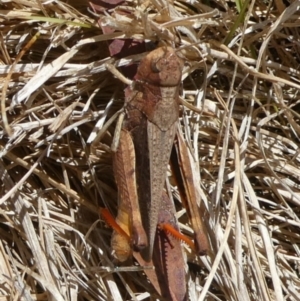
<point x="242" y="68"/>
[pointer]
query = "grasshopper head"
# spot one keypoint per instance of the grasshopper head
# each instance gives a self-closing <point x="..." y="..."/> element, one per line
<point x="161" y="67"/>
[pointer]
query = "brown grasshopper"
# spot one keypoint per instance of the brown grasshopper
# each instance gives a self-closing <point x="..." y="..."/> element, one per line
<point x="149" y="132"/>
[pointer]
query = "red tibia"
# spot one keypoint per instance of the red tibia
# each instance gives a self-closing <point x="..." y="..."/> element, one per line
<point x="176" y="234"/>
<point x="111" y="222"/>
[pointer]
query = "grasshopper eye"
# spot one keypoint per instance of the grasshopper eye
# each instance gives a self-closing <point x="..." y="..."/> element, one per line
<point x="156" y="66"/>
